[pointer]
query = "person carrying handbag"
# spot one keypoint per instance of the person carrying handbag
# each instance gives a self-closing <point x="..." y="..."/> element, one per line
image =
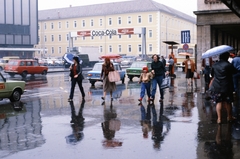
<point x="107" y="85"/>
<point x="76" y="77"/>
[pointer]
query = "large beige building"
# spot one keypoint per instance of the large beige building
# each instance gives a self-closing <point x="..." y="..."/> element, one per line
<point x="162" y="24"/>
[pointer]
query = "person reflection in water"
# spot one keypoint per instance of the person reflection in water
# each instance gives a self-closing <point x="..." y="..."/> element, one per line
<point x="221" y="148"/>
<point x="110" y="126"/>
<point x="77" y="124"/>
<point x="158" y="132"/>
<point x="145" y="120"/>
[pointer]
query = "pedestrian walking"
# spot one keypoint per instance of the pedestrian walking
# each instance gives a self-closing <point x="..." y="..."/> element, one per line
<point x="206" y="67"/>
<point x="145" y="80"/>
<point x="158" y="71"/>
<point x="236" y="76"/>
<point x="189" y="70"/>
<point x="171" y="64"/>
<point x="221" y="87"/>
<point x="107" y="85"/>
<point x="76" y="77"/>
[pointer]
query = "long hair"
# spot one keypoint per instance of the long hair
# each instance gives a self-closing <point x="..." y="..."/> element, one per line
<point x="76" y="59"/>
<point x="157" y="57"/>
<point x="107" y="62"/>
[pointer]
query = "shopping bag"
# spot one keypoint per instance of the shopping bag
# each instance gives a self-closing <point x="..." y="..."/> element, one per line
<point x="113" y="76"/>
<point x="166" y="82"/>
<point x="196" y="75"/>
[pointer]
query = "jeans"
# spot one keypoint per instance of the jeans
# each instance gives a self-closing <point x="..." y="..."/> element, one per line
<point x="145" y="86"/>
<point x="235" y="81"/>
<point x="79" y="82"/>
<point x="157" y="80"/>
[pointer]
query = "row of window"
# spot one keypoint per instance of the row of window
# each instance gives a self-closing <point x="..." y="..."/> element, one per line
<point x="101" y="23"/>
<point x="110" y="49"/>
<point x="150" y="35"/>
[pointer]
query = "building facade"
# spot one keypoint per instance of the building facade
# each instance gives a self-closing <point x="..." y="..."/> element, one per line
<point x="162" y="23"/>
<point x="18" y="27"/>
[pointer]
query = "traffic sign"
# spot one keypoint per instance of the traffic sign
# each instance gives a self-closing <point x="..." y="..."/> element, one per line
<point x="185" y="47"/>
<point x="185" y="36"/>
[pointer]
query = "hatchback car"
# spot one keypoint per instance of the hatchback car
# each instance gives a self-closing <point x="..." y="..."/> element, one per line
<point x="136" y="69"/>
<point x="95" y="75"/>
<point x="11" y="89"/>
<point x="25" y="67"/>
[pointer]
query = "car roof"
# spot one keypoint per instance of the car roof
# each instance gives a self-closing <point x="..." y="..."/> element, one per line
<point x="22" y="60"/>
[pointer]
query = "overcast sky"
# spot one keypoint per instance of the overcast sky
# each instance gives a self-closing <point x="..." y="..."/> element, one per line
<point x="186" y="6"/>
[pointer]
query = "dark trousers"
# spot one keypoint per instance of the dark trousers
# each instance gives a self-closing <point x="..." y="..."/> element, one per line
<point x="236" y="77"/>
<point x="207" y="72"/>
<point x="79" y="82"/>
<point x="145" y="86"/>
<point x="170" y="70"/>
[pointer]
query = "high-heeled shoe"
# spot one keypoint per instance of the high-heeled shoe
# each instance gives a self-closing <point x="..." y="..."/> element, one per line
<point x="230" y="120"/>
<point x="103" y="98"/>
<point x="219" y="122"/>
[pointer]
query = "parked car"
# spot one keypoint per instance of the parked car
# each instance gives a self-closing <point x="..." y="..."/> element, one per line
<point x="25" y="67"/>
<point x="11" y="89"/>
<point x="136" y="69"/>
<point x="4" y="61"/>
<point x="94" y="75"/>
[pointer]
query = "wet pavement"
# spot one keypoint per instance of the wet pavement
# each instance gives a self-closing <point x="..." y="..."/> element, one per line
<point x="44" y="125"/>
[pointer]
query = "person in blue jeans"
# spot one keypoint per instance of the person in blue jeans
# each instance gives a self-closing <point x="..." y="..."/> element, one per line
<point x="236" y="76"/>
<point x="145" y="80"/>
<point x="158" y="71"/>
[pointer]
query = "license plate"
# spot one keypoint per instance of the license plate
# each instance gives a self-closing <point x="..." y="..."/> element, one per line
<point x="134" y="71"/>
<point x="97" y="75"/>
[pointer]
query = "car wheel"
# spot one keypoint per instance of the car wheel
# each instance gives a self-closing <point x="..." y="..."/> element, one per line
<point x="44" y="72"/>
<point x="24" y="74"/>
<point x="16" y="95"/>
<point x="11" y="74"/>
<point x="92" y="83"/>
<point x="123" y="80"/>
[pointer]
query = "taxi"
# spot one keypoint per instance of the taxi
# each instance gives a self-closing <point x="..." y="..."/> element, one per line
<point x="11" y="89"/>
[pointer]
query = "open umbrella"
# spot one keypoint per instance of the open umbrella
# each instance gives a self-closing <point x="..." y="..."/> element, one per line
<point x="218" y="50"/>
<point x="69" y="58"/>
<point x="184" y="54"/>
<point x="110" y="56"/>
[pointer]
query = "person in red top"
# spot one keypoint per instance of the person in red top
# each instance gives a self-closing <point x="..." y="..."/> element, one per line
<point x="76" y="77"/>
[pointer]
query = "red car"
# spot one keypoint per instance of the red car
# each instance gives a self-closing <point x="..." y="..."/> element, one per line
<point x="24" y="67"/>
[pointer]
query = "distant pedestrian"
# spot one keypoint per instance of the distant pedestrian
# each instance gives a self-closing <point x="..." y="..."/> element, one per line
<point x="158" y="71"/>
<point x="206" y="67"/>
<point x="170" y="66"/>
<point x="221" y="87"/>
<point x="189" y="70"/>
<point x="163" y="60"/>
<point x="236" y="76"/>
<point x="145" y="80"/>
<point x="107" y="85"/>
<point x="76" y="77"/>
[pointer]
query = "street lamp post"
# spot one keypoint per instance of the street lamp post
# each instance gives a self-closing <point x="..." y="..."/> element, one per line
<point x="167" y="36"/>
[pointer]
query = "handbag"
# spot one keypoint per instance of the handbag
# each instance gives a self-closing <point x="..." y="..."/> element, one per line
<point x="166" y="82"/>
<point x="196" y="75"/>
<point x="113" y="76"/>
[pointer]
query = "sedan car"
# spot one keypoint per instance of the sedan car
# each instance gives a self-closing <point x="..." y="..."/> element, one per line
<point x="136" y="69"/>
<point x="11" y="89"/>
<point x="95" y="75"/>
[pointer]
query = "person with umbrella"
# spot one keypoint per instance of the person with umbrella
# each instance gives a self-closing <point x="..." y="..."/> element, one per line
<point x="206" y="67"/>
<point x="76" y="77"/>
<point x="221" y="87"/>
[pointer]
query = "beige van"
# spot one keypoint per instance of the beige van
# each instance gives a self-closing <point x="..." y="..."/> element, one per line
<point x="5" y="60"/>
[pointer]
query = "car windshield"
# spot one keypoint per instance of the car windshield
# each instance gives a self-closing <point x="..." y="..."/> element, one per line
<point x="97" y="67"/>
<point x="138" y="65"/>
<point x="13" y="63"/>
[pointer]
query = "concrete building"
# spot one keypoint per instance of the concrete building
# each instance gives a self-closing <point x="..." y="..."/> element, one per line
<point x="18" y="27"/>
<point x="162" y="24"/>
<point x="216" y="25"/>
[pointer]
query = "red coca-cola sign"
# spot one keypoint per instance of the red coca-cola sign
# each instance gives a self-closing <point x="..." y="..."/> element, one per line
<point x="84" y="33"/>
<point x="126" y="31"/>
